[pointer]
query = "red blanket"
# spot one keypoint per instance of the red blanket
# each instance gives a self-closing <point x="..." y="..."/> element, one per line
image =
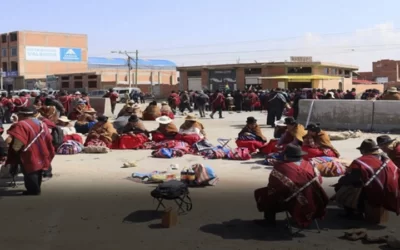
<point x="252" y="145"/>
<point x="317" y="152"/>
<point x="130" y="141"/>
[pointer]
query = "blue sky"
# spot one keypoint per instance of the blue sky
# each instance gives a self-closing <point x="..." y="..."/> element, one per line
<point x="221" y="31"/>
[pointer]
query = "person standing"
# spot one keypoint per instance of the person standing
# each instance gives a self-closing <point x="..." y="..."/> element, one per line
<point x="31" y="148"/>
<point x="218" y="103"/>
<point x="201" y="101"/>
<point x="113" y="99"/>
<point x="276" y="104"/>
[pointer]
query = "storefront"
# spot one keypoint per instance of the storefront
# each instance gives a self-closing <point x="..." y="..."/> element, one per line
<point x="222" y="79"/>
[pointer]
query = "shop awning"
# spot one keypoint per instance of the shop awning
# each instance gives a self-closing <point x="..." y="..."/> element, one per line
<point x="301" y="77"/>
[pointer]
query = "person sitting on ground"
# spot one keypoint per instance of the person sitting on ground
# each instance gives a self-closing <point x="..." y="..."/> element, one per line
<point x="391" y="95"/>
<point x="78" y="110"/>
<point x="391" y="147"/>
<point x="191" y="131"/>
<point x="85" y="121"/>
<point x="294" y="133"/>
<point x="102" y="133"/>
<point x="372" y="179"/>
<point x="3" y="146"/>
<point x="285" y="190"/>
<point x="37" y="104"/>
<point x="122" y="120"/>
<point x="152" y="112"/>
<point x="137" y="111"/>
<point x="166" y="129"/>
<point x="251" y="136"/>
<point x="279" y="131"/>
<point x="69" y="130"/>
<point x="317" y="143"/>
<point x="166" y="110"/>
<point x="127" y="106"/>
<point x="133" y="135"/>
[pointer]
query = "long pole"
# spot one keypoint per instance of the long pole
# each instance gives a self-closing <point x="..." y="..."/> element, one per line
<point x="136" y="68"/>
<point x="1" y="78"/>
<point x="129" y="70"/>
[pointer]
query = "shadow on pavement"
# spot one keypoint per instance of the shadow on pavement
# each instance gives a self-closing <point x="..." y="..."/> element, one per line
<point x="142" y="216"/>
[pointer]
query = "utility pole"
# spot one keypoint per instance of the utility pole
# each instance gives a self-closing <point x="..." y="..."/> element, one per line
<point x="1" y="79"/>
<point x="126" y="53"/>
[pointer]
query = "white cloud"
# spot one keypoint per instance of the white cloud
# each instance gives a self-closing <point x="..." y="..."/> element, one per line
<point x="359" y="48"/>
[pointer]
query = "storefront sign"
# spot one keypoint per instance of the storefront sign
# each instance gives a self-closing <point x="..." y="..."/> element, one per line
<point x="52" y="54"/>
<point x="222" y="79"/>
<point x="301" y="58"/>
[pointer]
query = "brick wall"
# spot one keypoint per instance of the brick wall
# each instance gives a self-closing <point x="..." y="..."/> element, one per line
<point x="240" y="79"/>
<point x="205" y="79"/>
<point x="385" y="68"/>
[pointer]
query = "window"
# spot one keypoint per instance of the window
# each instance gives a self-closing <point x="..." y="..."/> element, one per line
<point x="92" y="77"/>
<point x="340" y="71"/>
<point x="5" y="68"/>
<point x="13" y="37"/>
<point x="4" y="38"/>
<point x="253" y="71"/>
<point x="77" y="77"/>
<point x="299" y="70"/>
<point x="65" y="85"/>
<point x="326" y="71"/>
<point x="65" y="78"/>
<point x="92" y="84"/>
<point x="78" y="85"/>
<point x="194" y="73"/>
<point x="347" y="73"/>
<point x="333" y="71"/>
<point x="13" y="51"/>
<point x="14" y="66"/>
<point x="3" y="52"/>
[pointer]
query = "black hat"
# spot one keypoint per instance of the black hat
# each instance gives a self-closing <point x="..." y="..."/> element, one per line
<point x="293" y="151"/>
<point x="290" y="121"/>
<point x="313" y="127"/>
<point x="384" y="140"/>
<point x="251" y="120"/>
<point x="27" y="111"/>
<point x="102" y="118"/>
<point x="133" y="118"/>
<point x="368" y="145"/>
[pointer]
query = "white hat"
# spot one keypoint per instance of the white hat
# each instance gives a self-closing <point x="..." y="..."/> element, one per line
<point x="164" y="120"/>
<point x="280" y="123"/>
<point x="392" y="90"/>
<point x="77" y="93"/>
<point x="64" y="119"/>
<point x="331" y="94"/>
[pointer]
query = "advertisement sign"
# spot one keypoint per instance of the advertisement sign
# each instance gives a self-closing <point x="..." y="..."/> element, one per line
<point x="52" y="54"/>
<point x="10" y="74"/>
<point x="222" y="79"/>
<point x="304" y="59"/>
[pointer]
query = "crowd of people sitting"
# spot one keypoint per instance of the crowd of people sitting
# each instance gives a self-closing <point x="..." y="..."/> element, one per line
<point x="300" y="155"/>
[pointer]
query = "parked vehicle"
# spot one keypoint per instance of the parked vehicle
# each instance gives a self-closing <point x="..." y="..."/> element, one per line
<point x="97" y="93"/>
<point x="123" y="91"/>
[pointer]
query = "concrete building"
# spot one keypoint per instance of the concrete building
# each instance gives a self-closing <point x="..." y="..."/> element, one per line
<point x="383" y="71"/>
<point x="299" y="72"/>
<point x="28" y="58"/>
<point x="104" y="73"/>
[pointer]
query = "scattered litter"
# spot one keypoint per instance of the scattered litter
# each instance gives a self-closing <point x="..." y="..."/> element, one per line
<point x="129" y="165"/>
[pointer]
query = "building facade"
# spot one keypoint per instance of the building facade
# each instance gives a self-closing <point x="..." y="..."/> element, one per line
<point x="28" y="58"/>
<point x="104" y="73"/>
<point x="298" y="73"/>
<point x="383" y="71"/>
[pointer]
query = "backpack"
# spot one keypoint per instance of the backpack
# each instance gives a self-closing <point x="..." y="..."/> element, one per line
<point x="170" y="190"/>
<point x="58" y="136"/>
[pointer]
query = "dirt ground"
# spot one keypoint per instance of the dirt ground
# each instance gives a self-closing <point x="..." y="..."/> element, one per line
<point x="92" y="203"/>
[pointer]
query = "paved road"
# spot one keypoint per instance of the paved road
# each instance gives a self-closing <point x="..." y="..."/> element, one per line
<point x="91" y="203"/>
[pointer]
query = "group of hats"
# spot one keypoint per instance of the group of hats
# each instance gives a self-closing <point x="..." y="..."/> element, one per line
<point x="166" y="120"/>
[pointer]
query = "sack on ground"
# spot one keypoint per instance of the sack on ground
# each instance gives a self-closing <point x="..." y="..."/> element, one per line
<point x="96" y="150"/>
<point x="70" y="147"/>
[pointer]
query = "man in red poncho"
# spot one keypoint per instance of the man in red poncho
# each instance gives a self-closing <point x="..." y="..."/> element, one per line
<point x="174" y="101"/>
<point x="217" y="103"/>
<point x="31" y="148"/>
<point x="21" y="102"/>
<point x="66" y="101"/>
<point x="295" y="186"/>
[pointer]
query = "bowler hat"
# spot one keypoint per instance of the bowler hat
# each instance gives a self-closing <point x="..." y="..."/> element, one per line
<point x="293" y="151"/>
<point x="384" y="140"/>
<point x="251" y="120"/>
<point x="368" y="145"/>
<point x="313" y="127"/>
<point x="290" y="121"/>
<point x="27" y="111"/>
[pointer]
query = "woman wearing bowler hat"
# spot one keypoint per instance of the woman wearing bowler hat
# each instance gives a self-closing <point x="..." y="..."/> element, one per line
<point x="251" y="136"/>
<point x="371" y="178"/>
<point x="294" y="133"/>
<point x="283" y="193"/>
<point x="317" y="143"/>
<point x="391" y="147"/>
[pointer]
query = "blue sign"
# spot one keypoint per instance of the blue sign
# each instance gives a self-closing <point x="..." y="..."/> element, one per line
<point x="70" y="55"/>
<point x="10" y="74"/>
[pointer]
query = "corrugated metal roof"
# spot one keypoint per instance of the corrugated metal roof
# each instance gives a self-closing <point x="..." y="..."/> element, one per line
<point x="112" y="62"/>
